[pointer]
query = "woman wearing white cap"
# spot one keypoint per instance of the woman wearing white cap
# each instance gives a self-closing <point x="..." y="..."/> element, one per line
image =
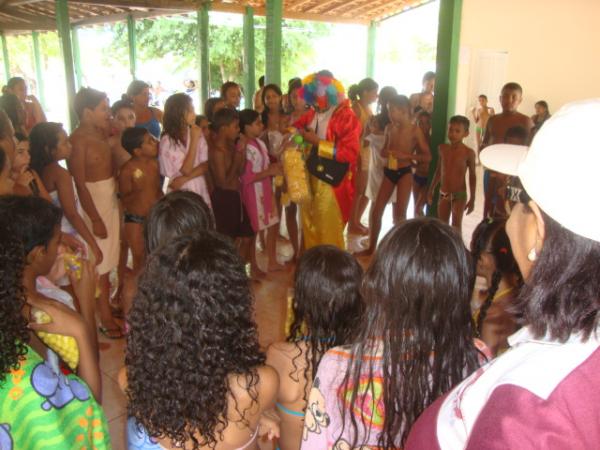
<point x="544" y="392"/>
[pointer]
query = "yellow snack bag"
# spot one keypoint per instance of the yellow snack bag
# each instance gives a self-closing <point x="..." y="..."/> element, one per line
<point x="294" y="169"/>
<point x="65" y="346"/>
<point x="73" y="264"/>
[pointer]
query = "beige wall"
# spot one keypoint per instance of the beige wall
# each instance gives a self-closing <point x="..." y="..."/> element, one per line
<point x="553" y="48"/>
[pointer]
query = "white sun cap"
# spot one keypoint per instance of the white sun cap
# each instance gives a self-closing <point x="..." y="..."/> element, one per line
<point x="561" y="169"/>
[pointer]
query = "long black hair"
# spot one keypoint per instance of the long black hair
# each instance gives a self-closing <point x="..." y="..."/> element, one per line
<point x="562" y="293"/>
<point x="417" y="292"/>
<point x="176" y="214"/>
<point x="383" y="117"/>
<point x="43" y="140"/>
<point x="191" y="328"/>
<point x="490" y="237"/>
<point x="327" y="304"/>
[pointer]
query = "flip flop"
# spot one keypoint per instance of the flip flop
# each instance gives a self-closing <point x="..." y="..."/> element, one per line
<point x="111" y="333"/>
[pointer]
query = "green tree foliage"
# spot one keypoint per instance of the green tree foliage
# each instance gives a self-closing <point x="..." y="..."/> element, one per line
<point x="20" y="49"/>
<point x="177" y="37"/>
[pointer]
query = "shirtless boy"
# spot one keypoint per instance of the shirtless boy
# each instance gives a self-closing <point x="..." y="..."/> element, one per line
<point x="402" y="136"/>
<point x="226" y="161"/>
<point x="139" y="188"/>
<point x="497" y="126"/>
<point x="123" y="118"/>
<point x="421" y="174"/>
<point x="454" y="161"/>
<point x="481" y="115"/>
<point x="92" y="167"/>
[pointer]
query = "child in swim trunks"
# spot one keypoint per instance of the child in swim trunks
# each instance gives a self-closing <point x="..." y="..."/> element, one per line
<point x="454" y="160"/>
<point x="227" y="160"/>
<point x="401" y="137"/>
<point x="421" y="174"/>
<point x="139" y="187"/>
<point x="481" y="115"/>
<point x="495" y="132"/>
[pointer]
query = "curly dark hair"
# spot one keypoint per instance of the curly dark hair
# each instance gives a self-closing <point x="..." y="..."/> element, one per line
<point x="191" y="327"/>
<point x="174" y="124"/>
<point x="13" y="332"/>
<point x="417" y="294"/>
<point x="25" y="223"/>
<point x="327" y="304"/>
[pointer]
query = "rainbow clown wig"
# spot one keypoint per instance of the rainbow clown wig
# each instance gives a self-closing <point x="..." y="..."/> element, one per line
<point x="322" y="90"/>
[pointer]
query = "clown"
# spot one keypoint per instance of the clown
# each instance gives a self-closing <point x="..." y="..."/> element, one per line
<point x="334" y="131"/>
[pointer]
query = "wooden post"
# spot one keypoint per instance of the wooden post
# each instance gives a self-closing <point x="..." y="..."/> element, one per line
<point x="77" y="57"/>
<point x="445" y="82"/>
<point x="203" y="55"/>
<point x="249" y="54"/>
<point x="5" y="56"/>
<point x="131" y="36"/>
<point x="273" y="42"/>
<point x="37" y="60"/>
<point x="64" y="32"/>
<point x="371" y="48"/>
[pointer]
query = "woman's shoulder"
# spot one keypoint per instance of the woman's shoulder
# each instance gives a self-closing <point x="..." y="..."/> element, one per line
<point x="156" y="113"/>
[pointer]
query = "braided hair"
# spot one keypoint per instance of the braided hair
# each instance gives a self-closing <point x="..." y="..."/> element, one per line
<point x="490" y="237"/>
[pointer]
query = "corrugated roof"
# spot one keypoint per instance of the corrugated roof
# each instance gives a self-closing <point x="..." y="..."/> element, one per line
<point x="28" y="15"/>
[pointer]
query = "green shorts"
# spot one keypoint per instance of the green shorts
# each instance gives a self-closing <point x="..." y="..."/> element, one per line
<point x="454" y="196"/>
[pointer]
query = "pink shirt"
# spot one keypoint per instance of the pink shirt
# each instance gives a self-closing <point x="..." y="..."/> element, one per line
<point x="323" y="421"/>
<point x="170" y="157"/>
<point x="540" y="394"/>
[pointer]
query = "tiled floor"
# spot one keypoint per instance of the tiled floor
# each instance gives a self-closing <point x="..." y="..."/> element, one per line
<point x="271" y="304"/>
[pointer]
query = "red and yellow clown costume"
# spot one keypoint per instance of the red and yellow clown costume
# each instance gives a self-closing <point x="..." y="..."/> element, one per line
<point x="325" y="216"/>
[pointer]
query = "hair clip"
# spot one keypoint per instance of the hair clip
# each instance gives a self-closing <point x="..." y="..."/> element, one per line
<point x="503" y="250"/>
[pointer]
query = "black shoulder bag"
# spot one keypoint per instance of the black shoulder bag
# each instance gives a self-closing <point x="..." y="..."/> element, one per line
<point x="328" y="170"/>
